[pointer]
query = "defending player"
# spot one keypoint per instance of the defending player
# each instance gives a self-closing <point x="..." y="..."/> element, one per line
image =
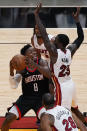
<point x="37" y="42"/>
<point x="61" y="57"/>
<point x="57" y="118"/>
<point x="34" y="85"/>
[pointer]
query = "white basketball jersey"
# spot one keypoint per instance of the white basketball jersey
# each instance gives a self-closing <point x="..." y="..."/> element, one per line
<point x="61" y="67"/>
<point x="63" y="119"/>
<point x="43" y="51"/>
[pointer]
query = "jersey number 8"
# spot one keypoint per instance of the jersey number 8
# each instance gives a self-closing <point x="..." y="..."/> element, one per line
<point x="35" y="87"/>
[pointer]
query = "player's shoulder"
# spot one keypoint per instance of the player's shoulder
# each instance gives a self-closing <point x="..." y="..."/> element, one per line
<point x="72" y="48"/>
<point x="68" y="51"/>
<point x="48" y="118"/>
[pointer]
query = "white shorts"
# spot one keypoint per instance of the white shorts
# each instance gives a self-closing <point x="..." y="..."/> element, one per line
<point x="68" y="93"/>
<point x="14" y="111"/>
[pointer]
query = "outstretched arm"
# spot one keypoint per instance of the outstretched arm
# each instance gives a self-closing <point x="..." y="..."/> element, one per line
<point x="78" y="113"/>
<point x="32" y="38"/>
<point x="76" y="44"/>
<point x="79" y="123"/>
<point x="50" y="47"/>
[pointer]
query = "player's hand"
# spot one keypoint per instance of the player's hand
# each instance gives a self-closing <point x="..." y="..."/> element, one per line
<point x="38" y="9"/>
<point x="76" y="15"/>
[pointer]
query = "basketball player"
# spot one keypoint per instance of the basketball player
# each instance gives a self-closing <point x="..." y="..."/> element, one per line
<point x="57" y="118"/>
<point x="61" y="57"/>
<point x="34" y="85"/>
<point x="37" y="42"/>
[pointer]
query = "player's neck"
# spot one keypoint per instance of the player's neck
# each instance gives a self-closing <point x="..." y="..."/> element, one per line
<point x="31" y="69"/>
<point x="50" y="106"/>
<point x="62" y="48"/>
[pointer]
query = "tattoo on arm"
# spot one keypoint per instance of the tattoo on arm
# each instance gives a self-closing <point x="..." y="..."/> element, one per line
<point x="50" y="47"/>
<point x="51" y="119"/>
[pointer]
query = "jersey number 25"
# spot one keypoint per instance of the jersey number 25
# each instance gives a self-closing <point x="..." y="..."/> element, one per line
<point x="64" y="71"/>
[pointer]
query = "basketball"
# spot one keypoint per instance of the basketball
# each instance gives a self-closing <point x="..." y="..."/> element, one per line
<point x="18" y="62"/>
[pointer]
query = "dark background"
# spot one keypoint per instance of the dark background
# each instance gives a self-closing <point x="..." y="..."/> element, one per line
<point x="46" y="3"/>
<point x="52" y="17"/>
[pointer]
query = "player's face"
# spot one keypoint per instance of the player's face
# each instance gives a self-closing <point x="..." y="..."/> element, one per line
<point x="37" y="32"/>
<point x="32" y="53"/>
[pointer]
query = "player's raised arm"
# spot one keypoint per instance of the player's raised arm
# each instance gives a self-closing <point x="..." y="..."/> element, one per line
<point x="76" y="44"/>
<point x="32" y="38"/>
<point x="50" y="47"/>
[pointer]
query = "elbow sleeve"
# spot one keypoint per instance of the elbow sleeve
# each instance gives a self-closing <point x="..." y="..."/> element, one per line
<point x="80" y="35"/>
<point x="15" y="80"/>
<point x="80" y="31"/>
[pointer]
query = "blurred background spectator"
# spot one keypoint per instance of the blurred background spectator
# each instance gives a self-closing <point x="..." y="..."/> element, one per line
<point x="52" y="17"/>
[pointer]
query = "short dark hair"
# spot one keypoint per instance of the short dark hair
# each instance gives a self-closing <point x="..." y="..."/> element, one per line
<point x="24" y="49"/>
<point x="63" y="38"/>
<point x="48" y="99"/>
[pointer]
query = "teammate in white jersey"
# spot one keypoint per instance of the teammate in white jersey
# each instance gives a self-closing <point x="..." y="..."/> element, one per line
<point x="57" y="118"/>
<point x="37" y="42"/>
<point x="60" y="56"/>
